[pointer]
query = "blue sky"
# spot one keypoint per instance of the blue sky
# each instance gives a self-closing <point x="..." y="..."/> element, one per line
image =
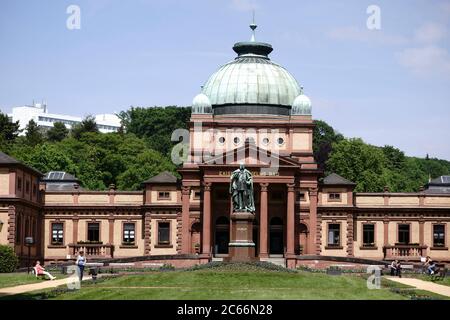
<point x="387" y="86"/>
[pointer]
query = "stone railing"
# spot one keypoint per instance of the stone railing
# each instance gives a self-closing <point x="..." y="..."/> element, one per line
<point x="93" y="250"/>
<point x="404" y="252"/>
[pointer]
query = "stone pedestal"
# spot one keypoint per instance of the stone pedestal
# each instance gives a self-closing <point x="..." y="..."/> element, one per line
<point x="241" y="246"/>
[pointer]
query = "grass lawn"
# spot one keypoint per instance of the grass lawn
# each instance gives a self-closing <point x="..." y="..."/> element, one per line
<point x="223" y="284"/>
<point x="16" y="279"/>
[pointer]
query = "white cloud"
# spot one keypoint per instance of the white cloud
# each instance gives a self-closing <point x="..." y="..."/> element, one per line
<point x="425" y="60"/>
<point x="430" y="33"/>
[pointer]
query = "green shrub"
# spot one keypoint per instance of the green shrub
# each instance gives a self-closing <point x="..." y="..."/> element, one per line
<point x="8" y="259"/>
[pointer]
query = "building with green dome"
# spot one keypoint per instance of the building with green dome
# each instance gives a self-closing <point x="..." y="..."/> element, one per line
<point x="251" y="111"/>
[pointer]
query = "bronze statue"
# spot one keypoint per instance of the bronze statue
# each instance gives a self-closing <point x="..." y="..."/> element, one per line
<point x="241" y="190"/>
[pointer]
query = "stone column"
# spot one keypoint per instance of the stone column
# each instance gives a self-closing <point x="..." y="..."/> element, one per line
<point x="111" y="228"/>
<point x="386" y="231"/>
<point x="350" y="231"/>
<point x="185" y="243"/>
<point x="147" y="233"/>
<point x="313" y="246"/>
<point x="75" y="220"/>
<point x="263" y="226"/>
<point x="290" y="220"/>
<point x="206" y="234"/>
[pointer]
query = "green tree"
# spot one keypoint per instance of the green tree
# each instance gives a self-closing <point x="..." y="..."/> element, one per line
<point x="359" y="162"/>
<point x="323" y="138"/>
<point x="8" y="259"/>
<point x="395" y="159"/>
<point x="58" y="132"/>
<point x="156" y="124"/>
<point x="87" y="125"/>
<point x="8" y="132"/>
<point x="33" y="134"/>
<point x="146" y="165"/>
<point x="46" y="157"/>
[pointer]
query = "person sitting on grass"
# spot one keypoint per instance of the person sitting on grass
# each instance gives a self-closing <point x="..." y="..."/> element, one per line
<point x="40" y="270"/>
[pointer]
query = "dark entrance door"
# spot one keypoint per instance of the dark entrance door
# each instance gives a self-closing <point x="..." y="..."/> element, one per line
<point x="276" y="239"/>
<point x="222" y="238"/>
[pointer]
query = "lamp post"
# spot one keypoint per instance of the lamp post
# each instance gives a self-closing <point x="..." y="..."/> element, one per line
<point x="29" y="241"/>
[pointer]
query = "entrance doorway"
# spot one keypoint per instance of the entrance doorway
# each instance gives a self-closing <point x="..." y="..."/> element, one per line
<point x="222" y="235"/>
<point x="276" y="239"/>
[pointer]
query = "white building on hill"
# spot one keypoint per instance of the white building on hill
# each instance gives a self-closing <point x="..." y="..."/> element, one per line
<point x="39" y="113"/>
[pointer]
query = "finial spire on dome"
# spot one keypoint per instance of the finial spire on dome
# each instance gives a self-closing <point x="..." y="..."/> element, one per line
<point x="253" y="26"/>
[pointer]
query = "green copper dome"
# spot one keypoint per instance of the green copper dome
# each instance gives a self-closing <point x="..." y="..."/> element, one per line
<point x="251" y="83"/>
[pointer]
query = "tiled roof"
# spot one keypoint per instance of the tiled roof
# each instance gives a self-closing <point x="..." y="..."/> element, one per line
<point x="335" y="179"/>
<point x="8" y="160"/>
<point x="163" y="177"/>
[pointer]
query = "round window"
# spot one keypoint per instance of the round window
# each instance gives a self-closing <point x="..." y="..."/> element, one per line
<point x="280" y="141"/>
<point x="265" y="141"/>
<point x="236" y="140"/>
<point x="222" y="140"/>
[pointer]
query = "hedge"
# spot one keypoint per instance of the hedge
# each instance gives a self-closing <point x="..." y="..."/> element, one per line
<point x="8" y="259"/>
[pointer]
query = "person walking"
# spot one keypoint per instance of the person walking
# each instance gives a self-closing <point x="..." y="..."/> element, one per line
<point x="81" y="263"/>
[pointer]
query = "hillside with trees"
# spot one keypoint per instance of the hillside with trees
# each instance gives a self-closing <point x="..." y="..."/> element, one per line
<point x="142" y="149"/>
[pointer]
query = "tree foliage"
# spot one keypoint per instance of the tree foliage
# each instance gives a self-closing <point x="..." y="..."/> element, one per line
<point x="87" y="125"/>
<point x="33" y="133"/>
<point x="323" y="138"/>
<point x="8" y="132"/>
<point x="8" y="259"/>
<point x="58" y="132"/>
<point x="156" y="124"/>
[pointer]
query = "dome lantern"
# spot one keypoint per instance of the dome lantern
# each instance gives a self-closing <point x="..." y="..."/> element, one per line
<point x="301" y="105"/>
<point x="201" y="104"/>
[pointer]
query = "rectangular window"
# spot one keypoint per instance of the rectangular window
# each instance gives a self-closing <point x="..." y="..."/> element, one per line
<point x="94" y="232"/>
<point x="19" y="184"/>
<point x="163" y="195"/>
<point x="368" y="235"/>
<point x="163" y="233"/>
<point x="27" y="186"/>
<point x="334" y="197"/>
<point x="403" y="233"/>
<point x="438" y="235"/>
<point x="34" y="189"/>
<point x="197" y="195"/>
<point x="334" y="234"/>
<point x="57" y="233"/>
<point x="129" y="233"/>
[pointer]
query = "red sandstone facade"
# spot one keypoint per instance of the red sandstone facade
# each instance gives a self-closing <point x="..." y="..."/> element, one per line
<point x="187" y="221"/>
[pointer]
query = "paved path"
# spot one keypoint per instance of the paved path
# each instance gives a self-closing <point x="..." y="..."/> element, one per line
<point x="35" y="286"/>
<point x="423" y="285"/>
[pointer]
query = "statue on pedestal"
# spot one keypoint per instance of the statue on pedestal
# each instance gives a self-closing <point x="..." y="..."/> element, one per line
<point x="241" y="190"/>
